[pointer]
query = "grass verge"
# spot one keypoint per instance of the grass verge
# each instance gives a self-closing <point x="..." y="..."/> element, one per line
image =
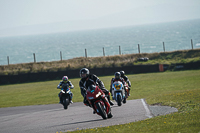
<point x="177" y="89"/>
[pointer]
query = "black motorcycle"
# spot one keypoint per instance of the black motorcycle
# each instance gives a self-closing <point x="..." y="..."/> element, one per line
<point x="66" y="96"/>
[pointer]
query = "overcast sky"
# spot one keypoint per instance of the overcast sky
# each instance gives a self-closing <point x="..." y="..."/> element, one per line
<point x="84" y="14"/>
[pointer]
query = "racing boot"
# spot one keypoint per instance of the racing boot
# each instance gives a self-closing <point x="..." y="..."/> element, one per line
<point x="70" y="99"/>
<point x="111" y="91"/>
<point x="94" y="112"/>
<point x="129" y="91"/>
<point x="61" y="101"/>
<point x="85" y="101"/>
<point x="111" y="103"/>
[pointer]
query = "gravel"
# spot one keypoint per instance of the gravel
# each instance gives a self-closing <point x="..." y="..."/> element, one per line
<point x="157" y="110"/>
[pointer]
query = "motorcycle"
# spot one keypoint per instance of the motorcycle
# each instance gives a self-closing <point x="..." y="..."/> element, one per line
<point x="120" y="92"/>
<point x="98" y="101"/>
<point x="66" y="96"/>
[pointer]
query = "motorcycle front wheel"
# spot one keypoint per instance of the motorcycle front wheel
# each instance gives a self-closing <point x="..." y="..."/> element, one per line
<point x="101" y="110"/>
<point x="65" y="103"/>
<point x="119" y="102"/>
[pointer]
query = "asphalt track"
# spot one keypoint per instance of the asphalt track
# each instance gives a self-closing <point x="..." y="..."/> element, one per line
<point x="53" y="118"/>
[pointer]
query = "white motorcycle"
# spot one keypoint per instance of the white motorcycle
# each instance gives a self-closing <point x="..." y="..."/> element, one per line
<point x="118" y="93"/>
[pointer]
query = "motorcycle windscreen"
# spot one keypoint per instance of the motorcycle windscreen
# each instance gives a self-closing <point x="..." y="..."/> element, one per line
<point x="65" y="87"/>
<point x="91" y="88"/>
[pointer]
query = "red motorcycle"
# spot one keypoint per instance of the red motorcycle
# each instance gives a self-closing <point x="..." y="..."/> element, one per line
<point x="126" y="92"/>
<point x="98" y="101"/>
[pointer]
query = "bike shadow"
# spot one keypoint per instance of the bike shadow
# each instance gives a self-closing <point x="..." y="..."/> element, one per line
<point x="79" y="122"/>
<point x="116" y="106"/>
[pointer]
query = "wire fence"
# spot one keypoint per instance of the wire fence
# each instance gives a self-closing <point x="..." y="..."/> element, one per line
<point x="60" y="58"/>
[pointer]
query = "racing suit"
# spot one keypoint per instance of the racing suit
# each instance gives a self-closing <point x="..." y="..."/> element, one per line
<point x="113" y="80"/>
<point x="63" y="85"/>
<point x="89" y="80"/>
<point x="128" y="82"/>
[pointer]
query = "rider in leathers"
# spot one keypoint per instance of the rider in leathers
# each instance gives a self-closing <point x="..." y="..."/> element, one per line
<point x="65" y="83"/>
<point x="126" y="80"/>
<point x="117" y="78"/>
<point x="86" y="80"/>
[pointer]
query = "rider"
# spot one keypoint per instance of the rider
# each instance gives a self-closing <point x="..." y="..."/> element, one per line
<point x="126" y="80"/>
<point x="86" y="80"/>
<point x="117" y="78"/>
<point x="65" y="83"/>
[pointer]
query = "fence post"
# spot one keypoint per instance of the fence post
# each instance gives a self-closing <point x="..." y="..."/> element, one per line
<point x="86" y="53"/>
<point x="34" y="57"/>
<point x="164" y="46"/>
<point x="103" y="52"/>
<point x="8" y="59"/>
<point x="61" y="55"/>
<point x="119" y="50"/>
<point x="191" y="43"/>
<point x="139" y="48"/>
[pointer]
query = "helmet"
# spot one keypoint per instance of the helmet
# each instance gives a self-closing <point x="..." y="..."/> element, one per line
<point x="122" y="73"/>
<point x="117" y="75"/>
<point x="84" y="72"/>
<point x="65" y="79"/>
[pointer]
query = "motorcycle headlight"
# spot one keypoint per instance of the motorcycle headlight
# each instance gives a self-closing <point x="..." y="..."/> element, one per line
<point x="97" y="95"/>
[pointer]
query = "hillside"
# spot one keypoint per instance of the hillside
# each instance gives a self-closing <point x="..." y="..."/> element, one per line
<point x="182" y="56"/>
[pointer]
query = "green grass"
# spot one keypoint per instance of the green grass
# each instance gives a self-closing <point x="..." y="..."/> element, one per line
<point x="186" y="120"/>
<point x="143" y="86"/>
<point x="173" y="123"/>
<point x="179" y="89"/>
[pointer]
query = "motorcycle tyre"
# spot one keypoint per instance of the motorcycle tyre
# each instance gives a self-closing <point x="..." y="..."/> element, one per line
<point x="65" y="103"/>
<point x="124" y="101"/>
<point x="119" y="102"/>
<point x="102" y="111"/>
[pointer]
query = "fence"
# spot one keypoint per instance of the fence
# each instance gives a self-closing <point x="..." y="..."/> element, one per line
<point x="86" y="54"/>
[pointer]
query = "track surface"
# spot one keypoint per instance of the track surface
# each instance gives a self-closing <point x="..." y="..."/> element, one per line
<point x="53" y="118"/>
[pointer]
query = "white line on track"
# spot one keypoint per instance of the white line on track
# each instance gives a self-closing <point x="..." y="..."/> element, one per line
<point x="148" y="113"/>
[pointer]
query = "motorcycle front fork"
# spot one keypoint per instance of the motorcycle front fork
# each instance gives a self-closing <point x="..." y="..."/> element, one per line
<point x="61" y="100"/>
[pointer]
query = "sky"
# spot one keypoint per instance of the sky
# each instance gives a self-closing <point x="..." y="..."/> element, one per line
<point x="23" y="17"/>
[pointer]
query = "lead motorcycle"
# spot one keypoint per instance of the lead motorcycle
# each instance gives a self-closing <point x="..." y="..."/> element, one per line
<point x="98" y="101"/>
<point x="119" y="92"/>
<point x="66" y="96"/>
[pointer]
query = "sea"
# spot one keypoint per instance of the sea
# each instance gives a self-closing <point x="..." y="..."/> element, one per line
<point x="180" y="35"/>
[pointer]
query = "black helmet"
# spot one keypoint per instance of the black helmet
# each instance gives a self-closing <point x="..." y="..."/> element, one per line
<point x="122" y="73"/>
<point x="117" y="75"/>
<point x="84" y="72"/>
